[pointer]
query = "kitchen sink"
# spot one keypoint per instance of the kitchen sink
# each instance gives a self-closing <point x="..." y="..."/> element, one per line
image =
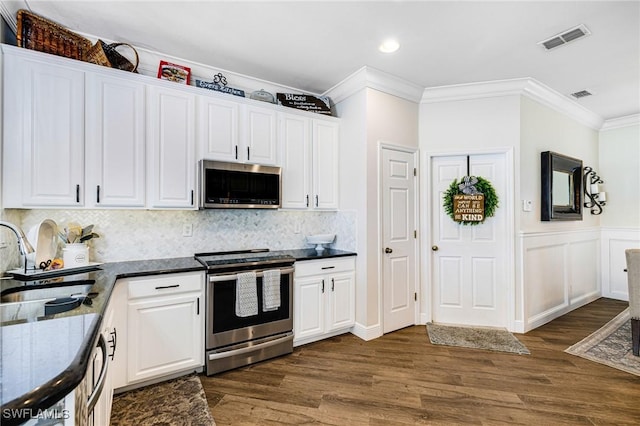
<point x="46" y="291"/>
<point x="30" y="302"/>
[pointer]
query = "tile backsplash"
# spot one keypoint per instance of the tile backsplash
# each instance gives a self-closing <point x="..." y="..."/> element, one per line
<point x="157" y="234"/>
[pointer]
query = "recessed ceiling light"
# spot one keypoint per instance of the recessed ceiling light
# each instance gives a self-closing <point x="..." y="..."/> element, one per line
<point x="389" y="46"/>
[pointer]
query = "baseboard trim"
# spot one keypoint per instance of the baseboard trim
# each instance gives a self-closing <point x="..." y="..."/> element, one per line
<point x="367" y="333"/>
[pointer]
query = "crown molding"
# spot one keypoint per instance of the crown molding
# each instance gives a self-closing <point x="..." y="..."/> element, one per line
<point x="620" y="122"/>
<point x="9" y="15"/>
<point x="367" y="77"/>
<point x="528" y="87"/>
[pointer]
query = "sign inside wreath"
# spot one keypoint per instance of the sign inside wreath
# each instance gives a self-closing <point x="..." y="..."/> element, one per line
<point x="468" y="207"/>
<point x="470" y="201"/>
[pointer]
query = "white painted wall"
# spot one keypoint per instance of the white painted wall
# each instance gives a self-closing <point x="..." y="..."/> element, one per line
<point x="461" y="127"/>
<point x="556" y="266"/>
<point x="369" y="117"/>
<point x="544" y="129"/>
<point x="619" y="168"/>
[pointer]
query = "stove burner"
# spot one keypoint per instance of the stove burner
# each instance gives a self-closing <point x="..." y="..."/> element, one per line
<point x="243" y="259"/>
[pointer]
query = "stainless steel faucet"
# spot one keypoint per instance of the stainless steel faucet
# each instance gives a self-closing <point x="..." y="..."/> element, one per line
<point x="23" y="243"/>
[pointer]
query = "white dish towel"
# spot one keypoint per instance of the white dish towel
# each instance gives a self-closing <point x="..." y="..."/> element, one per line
<point x="246" y="294"/>
<point x="271" y="290"/>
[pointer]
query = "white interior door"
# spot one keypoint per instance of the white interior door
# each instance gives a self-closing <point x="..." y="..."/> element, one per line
<point x="399" y="240"/>
<point x="469" y="263"/>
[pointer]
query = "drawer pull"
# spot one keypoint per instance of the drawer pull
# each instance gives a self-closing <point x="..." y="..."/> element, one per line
<point x="328" y="267"/>
<point x="167" y="286"/>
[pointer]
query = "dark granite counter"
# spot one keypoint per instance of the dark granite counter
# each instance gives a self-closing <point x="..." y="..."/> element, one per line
<point x="45" y="356"/>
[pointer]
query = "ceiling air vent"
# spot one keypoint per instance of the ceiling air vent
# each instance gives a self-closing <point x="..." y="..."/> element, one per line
<point x="565" y="37"/>
<point x="581" y="94"/>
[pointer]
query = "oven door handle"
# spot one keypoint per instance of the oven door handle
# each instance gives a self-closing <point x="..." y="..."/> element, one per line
<point x="240" y="351"/>
<point x="233" y="277"/>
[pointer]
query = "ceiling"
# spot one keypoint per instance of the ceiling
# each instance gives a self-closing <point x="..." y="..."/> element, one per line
<point x="313" y="45"/>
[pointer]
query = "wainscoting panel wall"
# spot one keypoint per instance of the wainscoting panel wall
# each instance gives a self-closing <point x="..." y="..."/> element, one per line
<point x="614" y="242"/>
<point x="560" y="272"/>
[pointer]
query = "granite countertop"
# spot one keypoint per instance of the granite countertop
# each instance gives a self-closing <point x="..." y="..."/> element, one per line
<point x="44" y="357"/>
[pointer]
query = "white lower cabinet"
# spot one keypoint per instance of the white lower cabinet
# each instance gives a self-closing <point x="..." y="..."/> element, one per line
<point x="162" y="320"/>
<point x="324" y="298"/>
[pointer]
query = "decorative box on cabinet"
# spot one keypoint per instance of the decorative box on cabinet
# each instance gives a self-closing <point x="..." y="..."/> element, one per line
<point x="309" y="161"/>
<point x="236" y="132"/>
<point x="324" y="298"/>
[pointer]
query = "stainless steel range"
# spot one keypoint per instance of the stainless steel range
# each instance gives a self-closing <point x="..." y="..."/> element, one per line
<point x="249" y="307"/>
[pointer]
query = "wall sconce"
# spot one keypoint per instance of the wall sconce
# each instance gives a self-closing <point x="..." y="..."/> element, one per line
<point x="596" y="198"/>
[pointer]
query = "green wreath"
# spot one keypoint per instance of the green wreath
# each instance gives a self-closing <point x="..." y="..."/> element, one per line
<point x="484" y="187"/>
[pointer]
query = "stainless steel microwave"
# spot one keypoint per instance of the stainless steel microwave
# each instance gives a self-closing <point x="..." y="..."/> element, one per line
<point x="239" y="186"/>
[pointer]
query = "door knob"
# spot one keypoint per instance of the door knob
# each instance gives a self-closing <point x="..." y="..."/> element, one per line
<point x="388" y="250"/>
<point x="434" y="248"/>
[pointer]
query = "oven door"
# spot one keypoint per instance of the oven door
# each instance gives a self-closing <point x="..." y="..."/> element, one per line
<point x="224" y="327"/>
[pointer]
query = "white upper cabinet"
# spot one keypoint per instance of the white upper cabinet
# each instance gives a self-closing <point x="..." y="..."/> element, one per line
<point x="295" y="146"/>
<point x="171" y="160"/>
<point x="325" y="164"/>
<point x="232" y="131"/>
<point x="260" y="138"/>
<point x="115" y="142"/>
<point x="43" y="155"/>
<point x="309" y="157"/>
<point x="218" y="129"/>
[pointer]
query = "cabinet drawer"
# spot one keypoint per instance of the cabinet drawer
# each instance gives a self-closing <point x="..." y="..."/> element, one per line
<point x="161" y="285"/>
<point x="329" y="266"/>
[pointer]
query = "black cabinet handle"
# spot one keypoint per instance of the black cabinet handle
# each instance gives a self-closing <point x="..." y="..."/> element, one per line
<point x="168" y="286"/>
<point x="323" y="286"/>
<point x="114" y="342"/>
<point x="307" y="200"/>
<point x="248" y="153"/>
<point x="333" y="285"/>
<point x="328" y="267"/>
<point x="78" y="193"/>
<point x="198" y="307"/>
<point x="316" y="201"/>
<point x="236" y="152"/>
<point x="98" y="194"/>
<point x="192" y="197"/>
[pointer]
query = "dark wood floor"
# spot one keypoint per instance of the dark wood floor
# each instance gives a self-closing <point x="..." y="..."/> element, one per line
<point x="401" y="378"/>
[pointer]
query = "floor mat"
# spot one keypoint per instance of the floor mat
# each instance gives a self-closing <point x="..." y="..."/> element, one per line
<point x="610" y="345"/>
<point x="491" y="339"/>
<point x="176" y="402"/>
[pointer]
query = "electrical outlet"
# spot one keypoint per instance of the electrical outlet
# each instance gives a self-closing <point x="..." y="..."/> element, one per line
<point x="187" y="230"/>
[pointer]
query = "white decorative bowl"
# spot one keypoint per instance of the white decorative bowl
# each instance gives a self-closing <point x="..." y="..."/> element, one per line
<point x="320" y="239"/>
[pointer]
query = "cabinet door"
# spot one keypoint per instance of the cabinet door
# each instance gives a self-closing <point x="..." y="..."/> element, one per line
<point x="44" y="134"/>
<point x="115" y="142"/>
<point x="308" y="316"/>
<point x="325" y="165"/>
<point x="341" y="303"/>
<point x="165" y="336"/>
<point x="260" y="136"/>
<point x="295" y="147"/>
<point x="171" y="148"/>
<point x="218" y="129"/>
